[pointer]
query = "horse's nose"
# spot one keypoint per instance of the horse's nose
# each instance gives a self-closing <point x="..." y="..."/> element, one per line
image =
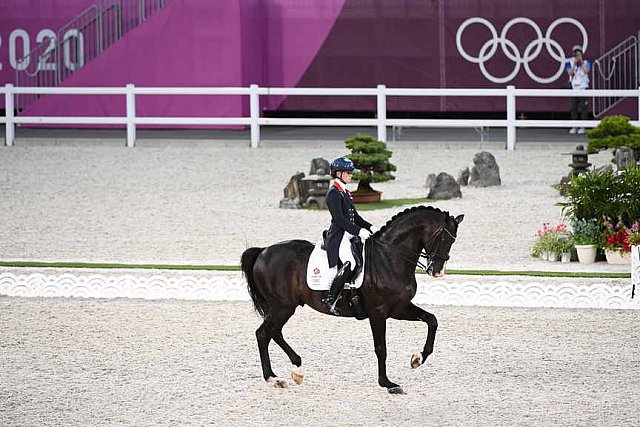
<point x="439" y="274"/>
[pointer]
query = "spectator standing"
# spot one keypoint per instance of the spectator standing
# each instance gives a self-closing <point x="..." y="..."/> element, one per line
<point x="578" y="70"/>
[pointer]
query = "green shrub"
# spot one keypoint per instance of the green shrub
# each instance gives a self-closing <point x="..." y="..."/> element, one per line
<point x="614" y="132"/>
<point x="601" y="194"/>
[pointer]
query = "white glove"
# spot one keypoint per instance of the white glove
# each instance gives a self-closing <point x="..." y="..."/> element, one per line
<point x="374" y="229"/>
<point x="364" y="233"/>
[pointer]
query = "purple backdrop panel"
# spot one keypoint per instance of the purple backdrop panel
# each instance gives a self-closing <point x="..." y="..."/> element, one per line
<point x="371" y="43"/>
<point x="294" y="32"/>
<point x="178" y="46"/>
<point x="25" y="23"/>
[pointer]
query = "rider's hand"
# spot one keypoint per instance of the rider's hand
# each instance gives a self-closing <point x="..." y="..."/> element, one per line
<point x="364" y="233"/>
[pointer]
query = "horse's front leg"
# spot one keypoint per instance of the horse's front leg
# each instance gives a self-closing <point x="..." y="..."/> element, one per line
<point x="379" y="330"/>
<point x="413" y="313"/>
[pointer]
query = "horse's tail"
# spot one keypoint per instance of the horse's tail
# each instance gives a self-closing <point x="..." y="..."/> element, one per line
<point x="247" y="262"/>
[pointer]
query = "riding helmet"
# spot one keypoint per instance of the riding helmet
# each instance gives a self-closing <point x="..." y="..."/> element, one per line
<point x="342" y="164"/>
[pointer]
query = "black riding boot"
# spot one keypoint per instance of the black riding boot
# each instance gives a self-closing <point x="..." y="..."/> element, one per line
<point x="337" y="286"/>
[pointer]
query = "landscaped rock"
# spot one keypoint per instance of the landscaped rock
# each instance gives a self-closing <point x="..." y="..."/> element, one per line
<point x="485" y="171"/>
<point x="624" y="157"/>
<point x="320" y="166"/>
<point x="431" y="181"/>
<point x="293" y="197"/>
<point x="463" y="177"/>
<point x="445" y="188"/>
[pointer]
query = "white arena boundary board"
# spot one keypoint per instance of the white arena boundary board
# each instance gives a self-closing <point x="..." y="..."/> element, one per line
<point x="497" y="291"/>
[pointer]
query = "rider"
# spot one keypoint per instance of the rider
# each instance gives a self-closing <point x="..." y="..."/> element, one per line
<point x="345" y="225"/>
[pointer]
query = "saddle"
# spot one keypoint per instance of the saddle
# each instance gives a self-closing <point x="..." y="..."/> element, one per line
<point x="319" y="277"/>
<point x="356" y="250"/>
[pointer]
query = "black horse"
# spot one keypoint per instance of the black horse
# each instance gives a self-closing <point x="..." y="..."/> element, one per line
<point x="276" y="278"/>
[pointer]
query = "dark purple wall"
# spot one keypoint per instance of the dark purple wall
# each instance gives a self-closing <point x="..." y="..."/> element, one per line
<point x="327" y="43"/>
<point x="413" y="44"/>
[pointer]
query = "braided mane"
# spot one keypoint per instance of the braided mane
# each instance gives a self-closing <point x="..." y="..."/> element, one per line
<point x="405" y="213"/>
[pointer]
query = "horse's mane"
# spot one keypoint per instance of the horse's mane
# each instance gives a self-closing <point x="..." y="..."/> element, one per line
<point x="406" y="212"/>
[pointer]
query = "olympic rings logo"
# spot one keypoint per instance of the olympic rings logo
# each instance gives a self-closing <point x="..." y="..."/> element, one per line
<point x="511" y="51"/>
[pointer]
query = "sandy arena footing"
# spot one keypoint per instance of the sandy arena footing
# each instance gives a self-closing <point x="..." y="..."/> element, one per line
<point x="126" y="362"/>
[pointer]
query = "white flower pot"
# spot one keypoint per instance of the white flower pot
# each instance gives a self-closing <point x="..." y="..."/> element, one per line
<point x="544" y="255"/>
<point x="565" y="257"/>
<point x="617" y="257"/>
<point x="553" y="257"/>
<point x="586" y="253"/>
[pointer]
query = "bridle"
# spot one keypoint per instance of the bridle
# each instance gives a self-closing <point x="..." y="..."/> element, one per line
<point x="430" y="256"/>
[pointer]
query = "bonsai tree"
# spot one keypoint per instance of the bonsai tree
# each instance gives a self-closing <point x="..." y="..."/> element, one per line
<point x="372" y="158"/>
<point x="614" y="132"/>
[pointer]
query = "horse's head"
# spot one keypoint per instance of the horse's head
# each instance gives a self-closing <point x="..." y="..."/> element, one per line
<point x="439" y="244"/>
<point x="420" y="232"/>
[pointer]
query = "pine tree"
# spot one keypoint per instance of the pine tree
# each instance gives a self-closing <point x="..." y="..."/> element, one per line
<point x="372" y="158"/>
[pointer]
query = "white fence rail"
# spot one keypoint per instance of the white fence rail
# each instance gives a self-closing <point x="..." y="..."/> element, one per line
<point x="510" y="93"/>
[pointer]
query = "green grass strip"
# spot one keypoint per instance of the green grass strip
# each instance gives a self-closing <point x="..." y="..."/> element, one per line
<point x="577" y="274"/>
<point x="38" y="264"/>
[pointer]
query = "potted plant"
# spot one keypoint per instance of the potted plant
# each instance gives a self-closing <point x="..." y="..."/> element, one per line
<point x="586" y="235"/>
<point x="544" y="242"/>
<point x="551" y="242"/>
<point x="372" y="158"/>
<point x="633" y="238"/>
<point x="565" y="247"/>
<point x="616" y="247"/>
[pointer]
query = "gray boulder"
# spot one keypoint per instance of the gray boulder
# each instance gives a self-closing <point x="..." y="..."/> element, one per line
<point x="485" y="171"/>
<point x="320" y="166"/>
<point x="445" y="188"/>
<point x="293" y="197"/>
<point x="463" y="177"/>
<point x="624" y="157"/>
<point x="431" y="181"/>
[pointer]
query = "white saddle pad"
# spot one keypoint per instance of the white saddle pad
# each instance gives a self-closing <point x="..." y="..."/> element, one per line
<point x="320" y="276"/>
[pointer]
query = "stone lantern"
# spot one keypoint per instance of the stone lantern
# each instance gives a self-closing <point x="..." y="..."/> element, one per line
<point x="579" y="164"/>
<point x="316" y="188"/>
<point x="579" y="161"/>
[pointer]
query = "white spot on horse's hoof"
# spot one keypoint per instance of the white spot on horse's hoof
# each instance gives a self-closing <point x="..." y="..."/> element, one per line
<point x="396" y="390"/>
<point x="277" y="382"/>
<point x="297" y="375"/>
<point x="416" y="360"/>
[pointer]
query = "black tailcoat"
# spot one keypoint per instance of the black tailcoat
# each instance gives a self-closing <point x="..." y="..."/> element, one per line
<point x="343" y="218"/>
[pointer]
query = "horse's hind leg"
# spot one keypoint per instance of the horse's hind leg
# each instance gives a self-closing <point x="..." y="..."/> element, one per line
<point x="263" y="334"/>
<point x="413" y="313"/>
<point x="271" y="328"/>
<point x="296" y="374"/>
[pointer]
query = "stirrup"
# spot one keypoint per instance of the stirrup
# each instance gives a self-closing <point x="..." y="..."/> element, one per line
<point x="331" y="303"/>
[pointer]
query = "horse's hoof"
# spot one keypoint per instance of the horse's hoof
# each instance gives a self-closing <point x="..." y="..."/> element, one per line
<point x="416" y="360"/>
<point x="277" y="382"/>
<point x="297" y="375"/>
<point x="396" y="390"/>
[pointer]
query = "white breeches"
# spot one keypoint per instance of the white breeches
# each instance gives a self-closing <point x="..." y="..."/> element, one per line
<point x="344" y="252"/>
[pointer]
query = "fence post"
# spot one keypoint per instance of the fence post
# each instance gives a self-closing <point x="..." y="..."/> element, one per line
<point x="382" y="113"/>
<point x="511" y="118"/>
<point x="8" y="106"/>
<point x="254" y="111"/>
<point x="635" y="269"/>
<point x="131" y="116"/>
<point x="638" y="103"/>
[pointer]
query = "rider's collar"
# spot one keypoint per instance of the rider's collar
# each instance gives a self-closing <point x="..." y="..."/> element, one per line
<point x="339" y="184"/>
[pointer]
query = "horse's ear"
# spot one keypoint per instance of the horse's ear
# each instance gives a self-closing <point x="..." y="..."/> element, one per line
<point x="459" y="218"/>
